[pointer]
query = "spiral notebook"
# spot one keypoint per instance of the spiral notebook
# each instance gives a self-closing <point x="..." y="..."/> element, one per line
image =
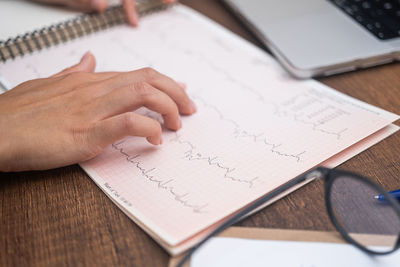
<point x="256" y="127"/>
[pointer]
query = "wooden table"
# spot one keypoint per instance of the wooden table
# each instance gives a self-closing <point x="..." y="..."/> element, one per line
<point x="61" y="218"/>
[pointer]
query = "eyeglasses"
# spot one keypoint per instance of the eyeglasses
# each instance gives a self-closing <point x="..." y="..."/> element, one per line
<point x="354" y="208"/>
<point x="361" y="210"/>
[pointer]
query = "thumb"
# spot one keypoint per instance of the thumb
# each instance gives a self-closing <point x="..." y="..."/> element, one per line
<point x="87" y="64"/>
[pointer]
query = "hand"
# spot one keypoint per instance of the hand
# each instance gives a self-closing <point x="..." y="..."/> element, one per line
<point x="100" y="6"/>
<point x="73" y="115"/>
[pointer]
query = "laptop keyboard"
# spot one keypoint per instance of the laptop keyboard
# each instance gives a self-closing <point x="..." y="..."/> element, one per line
<point x="380" y="17"/>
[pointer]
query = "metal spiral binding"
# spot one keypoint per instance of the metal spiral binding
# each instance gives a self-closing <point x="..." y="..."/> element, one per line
<point x="72" y="29"/>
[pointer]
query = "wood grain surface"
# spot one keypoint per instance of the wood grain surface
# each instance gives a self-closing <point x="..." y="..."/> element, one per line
<point x="61" y="218"/>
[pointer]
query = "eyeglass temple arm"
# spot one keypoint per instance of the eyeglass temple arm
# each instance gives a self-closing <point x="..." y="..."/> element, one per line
<point x="316" y="173"/>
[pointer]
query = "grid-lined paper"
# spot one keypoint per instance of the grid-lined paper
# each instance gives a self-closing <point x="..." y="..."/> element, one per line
<point x="255" y="129"/>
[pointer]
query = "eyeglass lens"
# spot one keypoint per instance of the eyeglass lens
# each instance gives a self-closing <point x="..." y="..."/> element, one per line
<point x="371" y="223"/>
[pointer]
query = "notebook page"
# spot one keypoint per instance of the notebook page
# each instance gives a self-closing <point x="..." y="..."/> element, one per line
<point x="255" y="129"/>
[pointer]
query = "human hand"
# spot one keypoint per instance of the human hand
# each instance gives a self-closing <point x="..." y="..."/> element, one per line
<point x="100" y="6"/>
<point x="73" y="115"/>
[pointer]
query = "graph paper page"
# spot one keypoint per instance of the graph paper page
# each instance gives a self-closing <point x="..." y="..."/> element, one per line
<point x="255" y="128"/>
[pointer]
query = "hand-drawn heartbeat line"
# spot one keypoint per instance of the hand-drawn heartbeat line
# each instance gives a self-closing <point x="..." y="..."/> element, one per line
<point x="162" y="184"/>
<point x="259" y="138"/>
<point x="295" y="103"/>
<point x="260" y="97"/>
<point x="315" y="126"/>
<point x="342" y="101"/>
<point x="199" y="56"/>
<point x="191" y="155"/>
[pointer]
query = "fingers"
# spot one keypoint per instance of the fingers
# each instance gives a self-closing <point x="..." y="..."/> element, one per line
<point x="101" y="5"/>
<point x="98" y="5"/>
<point x="185" y="105"/>
<point x="87" y="64"/>
<point x="157" y="80"/>
<point x="81" y="5"/>
<point x="133" y="97"/>
<point x="127" y="124"/>
<point x="130" y="12"/>
<point x="87" y="5"/>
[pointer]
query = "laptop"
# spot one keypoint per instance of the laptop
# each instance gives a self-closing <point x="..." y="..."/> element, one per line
<point x="324" y="37"/>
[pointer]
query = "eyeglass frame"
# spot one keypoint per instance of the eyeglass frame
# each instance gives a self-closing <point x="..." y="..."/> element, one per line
<point x="329" y="180"/>
<point x="328" y="175"/>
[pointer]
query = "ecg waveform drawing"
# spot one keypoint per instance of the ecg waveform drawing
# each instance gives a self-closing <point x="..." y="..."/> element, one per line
<point x="310" y="110"/>
<point x="192" y="154"/>
<point x="213" y="161"/>
<point x="315" y="126"/>
<point x="162" y="184"/>
<point x="238" y="132"/>
<point x="199" y="56"/>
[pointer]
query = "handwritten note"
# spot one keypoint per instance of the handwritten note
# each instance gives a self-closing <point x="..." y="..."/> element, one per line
<point x="256" y="127"/>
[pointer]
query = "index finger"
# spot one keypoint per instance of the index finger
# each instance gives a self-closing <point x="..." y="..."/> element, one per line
<point x="157" y="80"/>
<point x="130" y="12"/>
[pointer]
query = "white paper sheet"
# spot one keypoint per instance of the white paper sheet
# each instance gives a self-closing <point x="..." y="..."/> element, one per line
<point x="238" y="252"/>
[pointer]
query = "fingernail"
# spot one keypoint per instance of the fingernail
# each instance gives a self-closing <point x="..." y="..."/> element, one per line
<point x="86" y="56"/>
<point x="193" y="106"/>
<point x="183" y="85"/>
<point x="134" y="19"/>
<point x="179" y="124"/>
<point x="152" y="140"/>
<point x="85" y="61"/>
<point x="161" y="140"/>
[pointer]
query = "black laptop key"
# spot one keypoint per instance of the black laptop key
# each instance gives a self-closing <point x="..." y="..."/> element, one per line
<point x="379" y="17"/>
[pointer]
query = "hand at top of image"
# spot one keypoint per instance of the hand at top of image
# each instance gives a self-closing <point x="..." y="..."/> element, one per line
<point x="100" y="6"/>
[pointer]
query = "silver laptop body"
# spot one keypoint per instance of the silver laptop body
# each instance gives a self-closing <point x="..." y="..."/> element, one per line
<point x="314" y="37"/>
